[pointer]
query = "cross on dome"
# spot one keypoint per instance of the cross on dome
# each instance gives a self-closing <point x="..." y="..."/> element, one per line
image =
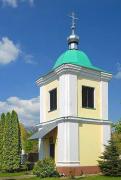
<point x="73" y="39"/>
<point x="73" y="27"/>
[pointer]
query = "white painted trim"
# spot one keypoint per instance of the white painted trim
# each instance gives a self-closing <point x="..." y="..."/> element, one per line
<point x="68" y="143"/>
<point x="68" y="95"/>
<point x="95" y="100"/>
<point x="42" y="105"/>
<point x="70" y="164"/>
<point x="106" y="135"/>
<point x="41" y="149"/>
<point x="74" y="69"/>
<point x="75" y="119"/>
<point x="104" y="100"/>
<point x="48" y="100"/>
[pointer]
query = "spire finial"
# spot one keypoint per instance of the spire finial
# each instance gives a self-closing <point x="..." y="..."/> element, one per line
<point x="73" y="39"/>
<point x="73" y="27"/>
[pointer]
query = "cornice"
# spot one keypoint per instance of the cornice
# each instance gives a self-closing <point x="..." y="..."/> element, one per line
<point x="75" y="120"/>
<point x="74" y="69"/>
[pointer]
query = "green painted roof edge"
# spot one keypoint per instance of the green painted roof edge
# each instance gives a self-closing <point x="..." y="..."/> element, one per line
<point x="88" y="67"/>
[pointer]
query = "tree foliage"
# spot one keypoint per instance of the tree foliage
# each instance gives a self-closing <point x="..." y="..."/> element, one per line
<point x="31" y="146"/>
<point x="2" y="125"/>
<point x="24" y="135"/>
<point x="7" y="154"/>
<point x="117" y="139"/>
<point x="116" y="135"/>
<point x="117" y="127"/>
<point x="110" y="163"/>
<point x="16" y="141"/>
<point x="28" y="146"/>
<point x="11" y="142"/>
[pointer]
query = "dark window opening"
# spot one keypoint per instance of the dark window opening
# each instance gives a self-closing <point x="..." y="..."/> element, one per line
<point x="53" y="99"/>
<point x="52" y="151"/>
<point x="87" y="97"/>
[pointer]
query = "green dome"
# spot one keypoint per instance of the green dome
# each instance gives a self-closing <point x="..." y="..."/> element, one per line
<point x="75" y="57"/>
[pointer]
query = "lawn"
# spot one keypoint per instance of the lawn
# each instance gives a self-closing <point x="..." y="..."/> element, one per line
<point x="81" y="178"/>
<point x="23" y="176"/>
<point x="13" y="174"/>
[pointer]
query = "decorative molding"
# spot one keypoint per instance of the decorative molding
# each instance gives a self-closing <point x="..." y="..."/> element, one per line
<point x="70" y="163"/>
<point x="74" y="69"/>
<point x="75" y="120"/>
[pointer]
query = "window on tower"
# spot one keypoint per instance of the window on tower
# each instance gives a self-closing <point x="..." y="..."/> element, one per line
<point x="53" y="99"/>
<point x="87" y="97"/>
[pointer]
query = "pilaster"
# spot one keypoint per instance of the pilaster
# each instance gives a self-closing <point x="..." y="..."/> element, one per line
<point x="68" y="95"/>
<point x="42" y="105"/>
<point x="68" y="144"/>
<point x="41" y="149"/>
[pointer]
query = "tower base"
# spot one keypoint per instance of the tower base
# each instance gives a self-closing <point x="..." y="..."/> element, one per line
<point x="78" y="170"/>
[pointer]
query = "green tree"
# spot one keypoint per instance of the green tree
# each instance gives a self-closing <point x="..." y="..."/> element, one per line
<point x="117" y="139"/>
<point x="16" y="141"/>
<point x="2" y="125"/>
<point x="27" y="145"/>
<point x="31" y="146"/>
<point x="116" y="135"/>
<point x="110" y="163"/>
<point x="12" y="143"/>
<point x="24" y="135"/>
<point x="117" y="127"/>
<point x="7" y="147"/>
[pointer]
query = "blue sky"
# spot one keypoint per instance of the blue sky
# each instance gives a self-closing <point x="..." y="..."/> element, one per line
<point x="33" y="34"/>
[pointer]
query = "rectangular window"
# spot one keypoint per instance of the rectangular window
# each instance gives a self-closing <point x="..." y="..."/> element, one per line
<point x="53" y="99"/>
<point x="87" y="97"/>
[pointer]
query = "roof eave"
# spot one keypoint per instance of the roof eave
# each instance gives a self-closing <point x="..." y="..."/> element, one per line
<point x="102" y="75"/>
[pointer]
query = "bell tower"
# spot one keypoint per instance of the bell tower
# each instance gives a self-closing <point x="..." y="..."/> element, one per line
<point x="73" y="111"/>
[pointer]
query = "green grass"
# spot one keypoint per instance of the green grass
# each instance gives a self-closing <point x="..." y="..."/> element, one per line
<point x="36" y="178"/>
<point x="101" y="178"/>
<point x="13" y="174"/>
<point x="81" y="178"/>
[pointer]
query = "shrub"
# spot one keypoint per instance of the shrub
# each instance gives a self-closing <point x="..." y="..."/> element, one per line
<point x="45" y="168"/>
<point x="110" y="163"/>
<point x="26" y="166"/>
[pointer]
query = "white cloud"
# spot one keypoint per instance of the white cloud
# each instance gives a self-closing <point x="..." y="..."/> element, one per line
<point x="27" y="109"/>
<point x="118" y="74"/>
<point x="15" y="3"/>
<point x="8" y="51"/>
<point x="31" y="2"/>
<point x="29" y="59"/>
<point x="12" y="3"/>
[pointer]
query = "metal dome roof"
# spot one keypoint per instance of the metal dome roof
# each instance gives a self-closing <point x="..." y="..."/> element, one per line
<point x="75" y="57"/>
